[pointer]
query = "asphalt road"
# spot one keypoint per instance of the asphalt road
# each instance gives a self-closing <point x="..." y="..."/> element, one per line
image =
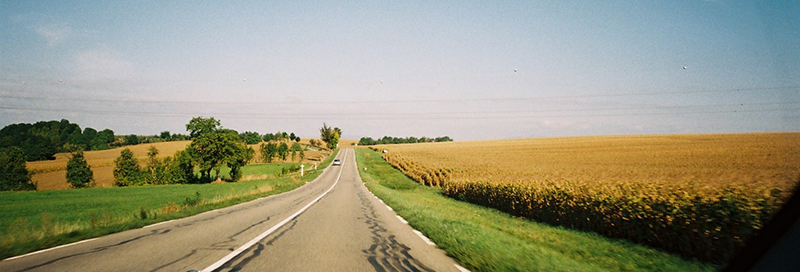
<point x="330" y="224"/>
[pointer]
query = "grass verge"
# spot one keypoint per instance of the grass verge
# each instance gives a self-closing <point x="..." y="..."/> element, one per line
<point x="484" y="239"/>
<point x="36" y="220"/>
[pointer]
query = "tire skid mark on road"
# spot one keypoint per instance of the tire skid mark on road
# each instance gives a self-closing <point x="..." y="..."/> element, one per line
<point x="97" y="249"/>
<point x="386" y="253"/>
<point x="223" y="245"/>
<point x="237" y="265"/>
<point x="232" y="238"/>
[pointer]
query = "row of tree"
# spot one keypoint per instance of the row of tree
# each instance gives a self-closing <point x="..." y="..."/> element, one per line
<point x="211" y="148"/>
<point x="271" y="150"/>
<point x="408" y="140"/>
<point x="14" y="176"/>
<point x="170" y="170"/>
<point x="42" y="140"/>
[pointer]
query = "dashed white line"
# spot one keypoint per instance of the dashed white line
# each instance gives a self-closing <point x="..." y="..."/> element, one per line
<point x="427" y="241"/>
<point x="49" y="249"/>
<point x="390" y="208"/>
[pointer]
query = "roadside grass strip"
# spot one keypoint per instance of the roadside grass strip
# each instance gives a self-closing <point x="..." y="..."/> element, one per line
<point x="484" y="239"/>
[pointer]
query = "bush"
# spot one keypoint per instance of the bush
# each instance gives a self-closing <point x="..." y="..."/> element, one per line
<point x="126" y="169"/>
<point x="13" y="174"/>
<point x="79" y="174"/>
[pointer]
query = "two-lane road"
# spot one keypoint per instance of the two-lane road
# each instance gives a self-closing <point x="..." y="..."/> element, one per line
<point x="330" y="224"/>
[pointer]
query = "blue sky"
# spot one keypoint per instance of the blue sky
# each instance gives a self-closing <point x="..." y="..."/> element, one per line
<point x="470" y="70"/>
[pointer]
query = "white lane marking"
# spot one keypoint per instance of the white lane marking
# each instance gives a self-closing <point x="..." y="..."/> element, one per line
<point x="402" y="220"/>
<point x="461" y="268"/>
<point x="390" y="208"/>
<point x="49" y="249"/>
<point x="427" y="241"/>
<point x="160" y="223"/>
<point x="260" y="237"/>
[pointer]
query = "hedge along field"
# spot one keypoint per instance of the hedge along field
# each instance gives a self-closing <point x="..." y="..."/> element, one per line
<point x="701" y="196"/>
<point x="51" y="174"/>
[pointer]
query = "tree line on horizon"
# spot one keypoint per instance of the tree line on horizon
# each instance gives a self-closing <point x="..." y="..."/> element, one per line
<point x="400" y="140"/>
<point x="211" y="148"/>
<point x="43" y="139"/>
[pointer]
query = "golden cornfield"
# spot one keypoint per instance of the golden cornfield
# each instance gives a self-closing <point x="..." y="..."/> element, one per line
<point x="701" y="196"/>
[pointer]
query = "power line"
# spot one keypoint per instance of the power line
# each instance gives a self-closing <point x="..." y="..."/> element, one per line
<point x="392" y="117"/>
<point x="506" y="99"/>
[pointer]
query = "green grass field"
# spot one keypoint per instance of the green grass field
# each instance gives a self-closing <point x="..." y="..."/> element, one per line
<point x="260" y="170"/>
<point x="483" y="239"/>
<point x="35" y="220"/>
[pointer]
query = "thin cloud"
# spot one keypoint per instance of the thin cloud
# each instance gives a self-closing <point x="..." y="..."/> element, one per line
<point x="103" y="64"/>
<point x="54" y="33"/>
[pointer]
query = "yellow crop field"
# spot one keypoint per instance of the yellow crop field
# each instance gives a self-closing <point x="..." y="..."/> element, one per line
<point x="699" y="195"/>
<point x="51" y="175"/>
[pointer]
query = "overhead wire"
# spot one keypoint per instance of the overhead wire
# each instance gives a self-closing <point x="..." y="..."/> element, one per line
<point x="442" y="100"/>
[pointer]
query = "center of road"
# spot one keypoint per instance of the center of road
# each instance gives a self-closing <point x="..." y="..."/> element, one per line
<point x="261" y="236"/>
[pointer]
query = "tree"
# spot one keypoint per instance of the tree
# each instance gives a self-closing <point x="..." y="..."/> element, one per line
<point x="212" y="145"/>
<point x="283" y="151"/>
<point x="155" y="167"/>
<point x="104" y="139"/>
<point x="131" y="139"/>
<point x="79" y="174"/>
<point x="13" y="174"/>
<point x="243" y="155"/>
<point x="269" y="151"/>
<point x="181" y="170"/>
<point x="292" y="136"/>
<point x="295" y="148"/>
<point x="166" y="136"/>
<point x="330" y="135"/>
<point x="302" y="155"/>
<point x="126" y="169"/>
<point x="199" y="125"/>
<point x="444" y="139"/>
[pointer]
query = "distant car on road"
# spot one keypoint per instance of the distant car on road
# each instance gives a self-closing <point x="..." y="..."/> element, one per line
<point x="337" y="162"/>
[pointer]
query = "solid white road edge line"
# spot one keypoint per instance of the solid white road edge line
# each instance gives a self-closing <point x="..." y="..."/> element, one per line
<point x="260" y="237"/>
<point x="402" y="220"/>
<point x="461" y="268"/>
<point x="159" y="223"/>
<point x="49" y="249"/>
<point x="424" y="238"/>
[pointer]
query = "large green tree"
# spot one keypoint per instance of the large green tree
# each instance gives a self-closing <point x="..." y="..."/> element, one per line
<point x="79" y="174"/>
<point x="212" y="146"/>
<point x="199" y="126"/>
<point x="13" y="174"/>
<point x="330" y="135"/>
